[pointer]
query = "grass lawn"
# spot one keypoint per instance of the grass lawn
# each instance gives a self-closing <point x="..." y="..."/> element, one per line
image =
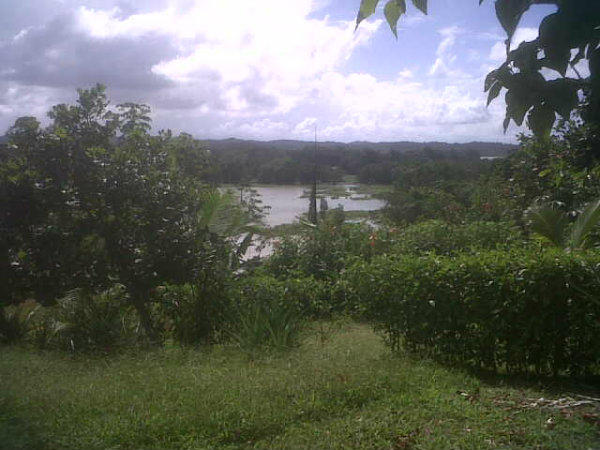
<point x="341" y="389"/>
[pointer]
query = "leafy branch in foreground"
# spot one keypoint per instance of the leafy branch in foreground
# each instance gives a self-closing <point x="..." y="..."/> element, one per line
<point x="566" y="37"/>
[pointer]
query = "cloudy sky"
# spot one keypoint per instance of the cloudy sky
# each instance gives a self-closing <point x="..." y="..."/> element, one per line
<point x="263" y="69"/>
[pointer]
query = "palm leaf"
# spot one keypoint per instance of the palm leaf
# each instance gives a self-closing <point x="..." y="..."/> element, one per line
<point x="549" y="223"/>
<point x="584" y="225"/>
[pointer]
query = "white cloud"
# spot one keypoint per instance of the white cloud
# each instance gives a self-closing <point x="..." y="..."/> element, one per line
<point x="498" y="52"/>
<point x="258" y="129"/>
<point x="261" y="55"/>
<point x="449" y="35"/>
<point x="445" y="58"/>
<point x="359" y="107"/>
<point x="264" y="69"/>
<point x="306" y="127"/>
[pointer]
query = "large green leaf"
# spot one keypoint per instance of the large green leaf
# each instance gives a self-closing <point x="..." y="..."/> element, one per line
<point x="540" y="120"/>
<point x="421" y="5"/>
<point x="561" y="95"/>
<point x="490" y="79"/>
<point x="583" y="226"/>
<point x="494" y="92"/>
<point x="524" y="57"/>
<point x="516" y="105"/>
<point x="509" y="14"/>
<point x="549" y="223"/>
<point x="367" y="8"/>
<point x="554" y="40"/>
<point x="393" y="10"/>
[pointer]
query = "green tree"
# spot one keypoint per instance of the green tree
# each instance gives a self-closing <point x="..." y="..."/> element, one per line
<point x="95" y="199"/>
<point x="567" y="36"/>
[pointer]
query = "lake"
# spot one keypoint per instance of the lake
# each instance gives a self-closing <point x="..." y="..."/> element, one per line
<point x="288" y="202"/>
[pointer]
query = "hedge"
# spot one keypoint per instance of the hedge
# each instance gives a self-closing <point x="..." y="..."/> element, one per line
<point x="522" y="311"/>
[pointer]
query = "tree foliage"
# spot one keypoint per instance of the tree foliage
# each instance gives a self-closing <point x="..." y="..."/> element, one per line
<point x="95" y="199"/>
<point x="566" y="37"/>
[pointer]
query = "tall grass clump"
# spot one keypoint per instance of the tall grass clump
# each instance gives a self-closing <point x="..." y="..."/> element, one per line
<point x="193" y="313"/>
<point x="264" y="316"/>
<point x="522" y="311"/>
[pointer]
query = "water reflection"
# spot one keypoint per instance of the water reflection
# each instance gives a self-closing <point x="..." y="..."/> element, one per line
<point x="288" y="202"/>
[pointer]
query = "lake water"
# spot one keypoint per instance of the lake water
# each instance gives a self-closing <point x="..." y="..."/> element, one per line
<point x="288" y="202"/>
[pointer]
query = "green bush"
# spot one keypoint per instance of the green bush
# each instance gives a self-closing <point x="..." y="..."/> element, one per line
<point x="15" y="321"/>
<point x="321" y="252"/>
<point x="521" y="310"/>
<point x="86" y="322"/>
<point x="422" y="203"/>
<point x="263" y="315"/>
<point x="192" y="313"/>
<point x="445" y="239"/>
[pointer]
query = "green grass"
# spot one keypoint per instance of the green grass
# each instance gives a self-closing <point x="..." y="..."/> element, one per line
<point x="336" y="190"/>
<point x="373" y="190"/>
<point x="332" y="190"/>
<point x="340" y="389"/>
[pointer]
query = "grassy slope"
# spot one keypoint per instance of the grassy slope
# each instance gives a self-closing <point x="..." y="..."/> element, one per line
<point x="341" y="389"/>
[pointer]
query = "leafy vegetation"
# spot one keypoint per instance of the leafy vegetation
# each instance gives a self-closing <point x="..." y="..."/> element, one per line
<point x="443" y="238"/>
<point x="242" y="162"/>
<point x="566" y="37"/>
<point x="95" y="200"/>
<point x="521" y="311"/>
<point x="552" y="225"/>
<point x="119" y="250"/>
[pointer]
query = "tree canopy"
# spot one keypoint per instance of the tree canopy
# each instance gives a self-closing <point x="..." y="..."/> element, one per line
<point x="95" y="199"/>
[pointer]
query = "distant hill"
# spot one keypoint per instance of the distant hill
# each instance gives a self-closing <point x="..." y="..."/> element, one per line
<point x="482" y="148"/>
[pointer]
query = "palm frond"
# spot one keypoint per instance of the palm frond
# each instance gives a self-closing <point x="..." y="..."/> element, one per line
<point x="212" y="201"/>
<point x="549" y="223"/>
<point x="584" y="225"/>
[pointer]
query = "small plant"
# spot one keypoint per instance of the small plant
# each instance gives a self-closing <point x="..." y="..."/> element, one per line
<point x="268" y="325"/>
<point x="192" y="312"/>
<point x="266" y="315"/>
<point x="84" y="322"/>
<point x="15" y="321"/>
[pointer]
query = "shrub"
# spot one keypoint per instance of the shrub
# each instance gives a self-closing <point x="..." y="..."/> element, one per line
<point x="519" y="310"/>
<point x="263" y="315"/>
<point x="321" y="252"/>
<point x="421" y="203"/>
<point x="86" y="322"/>
<point x="191" y="313"/>
<point x="446" y="239"/>
<point x="15" y="321"/>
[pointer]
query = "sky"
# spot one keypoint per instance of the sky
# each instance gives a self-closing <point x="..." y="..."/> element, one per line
<point x="264" y="69"/>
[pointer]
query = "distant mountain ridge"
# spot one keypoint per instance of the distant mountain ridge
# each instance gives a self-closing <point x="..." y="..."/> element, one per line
<point x="483" y="148"/>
